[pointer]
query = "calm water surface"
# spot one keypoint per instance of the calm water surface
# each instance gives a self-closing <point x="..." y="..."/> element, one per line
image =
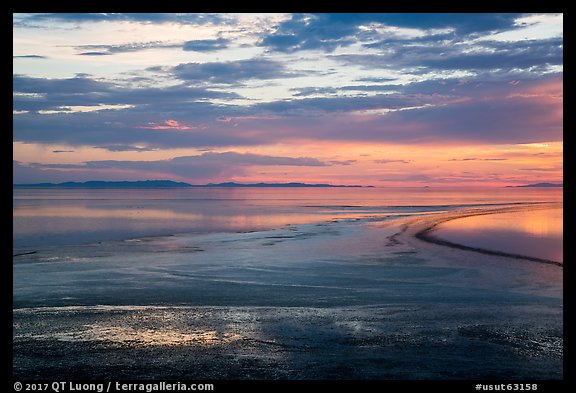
<point x="537" y="233"/>
<point x="44" y="217"/>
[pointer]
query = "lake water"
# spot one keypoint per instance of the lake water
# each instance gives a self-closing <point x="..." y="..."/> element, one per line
<point x="537" y="233"/>
<point x="274" y="283"/>
<point x="46" y="217"/>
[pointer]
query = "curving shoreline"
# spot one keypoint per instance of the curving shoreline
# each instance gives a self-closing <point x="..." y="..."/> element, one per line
<point x="422" y="228"/>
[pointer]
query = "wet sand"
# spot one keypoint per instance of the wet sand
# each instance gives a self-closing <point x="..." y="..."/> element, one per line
<point x="343" y="300"/>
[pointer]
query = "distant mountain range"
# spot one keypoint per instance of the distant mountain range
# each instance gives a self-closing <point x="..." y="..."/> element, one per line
<point x="109" y="184"/>
<point x="539" y="185"/>
<point x="164" y="184"/>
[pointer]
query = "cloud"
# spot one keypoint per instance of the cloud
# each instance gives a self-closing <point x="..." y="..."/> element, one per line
<point x="462" y="23"/>
<point x="390" y="161"/>
<point x="541" y="169"/>
<point x="29" y="57"/>
<point x="342" y="162"/>
<point x="530" y="56"/>
<point x="116" y="131"/>
<point x="173" y="125"/>
<point x="53" y="94"/>
<point x="177" y="163"/>
<point x="375" y="79"/>
<point x="495" y="120"/>
<point x="308" y="91"/>
<point x="478" y="159"/>
<point x="101" y="50"/>
<point x="349" y="103"/>
<point x="472" y="111"/>
<point x="420" y="177"/>
<point x="26" y="174"/>
<point x="328" y="31"/>
<point x="231" y="72"/>
<point x="495" y="113"/>
<point x="63" y="151"/>
<point x="312" y="31"/>
<point x="176" y="18"/>
<point x="25" y="84"/>
<point x="202" y="167"/>
<point x="206" y="45"/>
<point x="119" y="147"/>
<point x="257" y="159"/>
<point x="192" y="45"/>
<point x="94" y="54"/>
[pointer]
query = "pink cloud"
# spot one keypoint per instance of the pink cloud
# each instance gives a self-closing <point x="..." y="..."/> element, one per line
<point x="172" y="125"/>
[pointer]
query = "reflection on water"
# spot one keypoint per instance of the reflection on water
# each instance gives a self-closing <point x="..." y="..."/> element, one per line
<point x="154" y="337"/>
<point x="75" y="216"/>
<point x="142" y="326"/>
<point x="102" y="212"/>
<point x="142" y="337"/>
<point x="536" y="233"/>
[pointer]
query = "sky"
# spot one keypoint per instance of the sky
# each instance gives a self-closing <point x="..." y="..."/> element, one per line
<point x="386" y="100"/>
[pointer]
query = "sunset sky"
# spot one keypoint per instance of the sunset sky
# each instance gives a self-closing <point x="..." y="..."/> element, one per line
<point x="369" y="99"/>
